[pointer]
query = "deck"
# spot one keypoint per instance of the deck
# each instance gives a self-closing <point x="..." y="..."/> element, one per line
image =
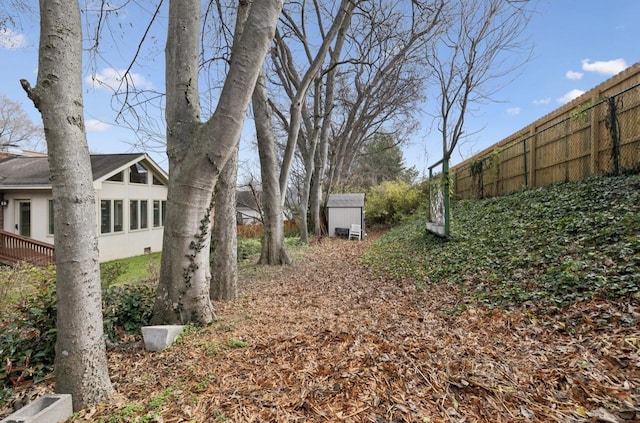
<point x="16" y="248"/>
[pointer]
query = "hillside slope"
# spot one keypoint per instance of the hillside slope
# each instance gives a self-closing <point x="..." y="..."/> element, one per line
<point x="544" y="247"/>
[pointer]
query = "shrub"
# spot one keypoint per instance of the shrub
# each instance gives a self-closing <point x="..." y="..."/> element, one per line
<point x="27" y="341"/>
<point x="388" y="202"/>
<point x="28" y="337"/>
<point x="248" y="247"/>
<point x="111" y="271"/>
<point x="126" y="308"/>
<point x="292" y="228"/>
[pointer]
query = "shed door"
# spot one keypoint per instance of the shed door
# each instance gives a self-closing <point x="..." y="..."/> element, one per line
<point x="23" y="217"/>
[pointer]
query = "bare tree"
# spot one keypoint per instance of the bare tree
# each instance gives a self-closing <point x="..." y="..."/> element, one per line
<point x="302" y="85"/>
<point x="273" y="248"/>
<point x="12" y="10"/>
<point x="482" y="46"/>
<point x="17" y="129"/>
<point x="316" y="180"/>
<point x="198" y="151"/>
<point x="81" y="362"/>
<point x="224" y="263"/>
<point x="381" y="90"/>
<point x="299" y="112"/>
<point x="369" y="79"/>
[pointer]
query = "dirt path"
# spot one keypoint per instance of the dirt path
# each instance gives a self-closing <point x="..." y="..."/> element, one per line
<point x="328" y="341"/>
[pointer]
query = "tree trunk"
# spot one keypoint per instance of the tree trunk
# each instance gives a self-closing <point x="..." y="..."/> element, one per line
<point x="273" y="246"/>
<point x="315" y="199"/>
<point x="80" y="363"/>
<point x="183" y="290"/>
<point x="306" y="191"/>
<point x="224" y="267"/>
<point x="322" y="155"/>
<point x="199" y="151"/>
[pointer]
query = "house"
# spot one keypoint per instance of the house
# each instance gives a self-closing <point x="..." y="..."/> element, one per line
<point x="343" y="210"/>
<point x="130" y="194"/>
<point x="248" y="211"/>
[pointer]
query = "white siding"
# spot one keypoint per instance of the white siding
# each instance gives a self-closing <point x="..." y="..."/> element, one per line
<point x="249" y="216"/>
<point x="39" y="213"/>
<point x="343" y="218"/>
<point x="128" y="243"/>
<point x="112" y="246"/>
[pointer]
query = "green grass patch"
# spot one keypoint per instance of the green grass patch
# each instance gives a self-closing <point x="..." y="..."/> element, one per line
<point x="545" y="246"/>
<point x="134" y="269"/>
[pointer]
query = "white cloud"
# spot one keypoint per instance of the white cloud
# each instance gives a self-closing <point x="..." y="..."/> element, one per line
<point x="11" y="40"/>
<point x="111" y="79"/>
<point x="514" y="111"/>
<point x="610" y="67"/>
<point x="574" y="75"/>
<point x="542" y="101"/>
<point x="94" y="125"/>
<point x="570" y="96"/>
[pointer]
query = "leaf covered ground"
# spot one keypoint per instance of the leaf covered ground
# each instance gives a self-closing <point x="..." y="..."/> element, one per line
<point x="326" y="340"/>
<point x="410" y="336"/>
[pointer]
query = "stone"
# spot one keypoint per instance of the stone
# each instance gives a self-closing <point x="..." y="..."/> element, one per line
<point x="52" y="408"/>
<point x="157" y="338"/>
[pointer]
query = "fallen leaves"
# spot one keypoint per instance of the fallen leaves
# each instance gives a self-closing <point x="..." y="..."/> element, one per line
<point x="327" y="341"/>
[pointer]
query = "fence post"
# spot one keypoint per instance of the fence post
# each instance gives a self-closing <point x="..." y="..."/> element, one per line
<point x="445" y="174"/>
<point x="525" y="172"/>
<point x="594" y="135"/>
<point x="532" y="157"/>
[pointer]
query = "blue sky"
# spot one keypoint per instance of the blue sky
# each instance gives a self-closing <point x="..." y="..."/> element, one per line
<point x="577" y="44"/>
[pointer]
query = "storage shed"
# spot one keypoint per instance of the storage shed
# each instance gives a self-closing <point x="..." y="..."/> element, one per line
<point x="343" y="210"/>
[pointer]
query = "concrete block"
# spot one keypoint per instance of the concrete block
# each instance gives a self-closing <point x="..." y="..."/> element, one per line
<point x="157" y="338"/>
<point x="52" y="408"/>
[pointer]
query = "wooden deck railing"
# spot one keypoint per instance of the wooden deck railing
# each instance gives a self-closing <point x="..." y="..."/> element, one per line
<point x="15" y="248"/>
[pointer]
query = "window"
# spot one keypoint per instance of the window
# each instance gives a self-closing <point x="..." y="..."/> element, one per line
<point x="118" y="216"/>
<point x="159" y="212"/>
<point x="157" y="181"/>
<point x="144" y="215"/>
<point x="118" y="177"/>
<point x="138" y="174"/>
<point x="105" y="216"/>
<point x="111" y="216"/>
<point x="138" y="215"/>
<point x="156" y="213"/>
<point x="50" y="217"/>
<point x="133" y="214"/>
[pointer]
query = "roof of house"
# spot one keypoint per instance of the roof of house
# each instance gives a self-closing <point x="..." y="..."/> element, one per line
<point x="346" y="200"/>
<point x="33" y="172"/>
<point x="247" y="200"/>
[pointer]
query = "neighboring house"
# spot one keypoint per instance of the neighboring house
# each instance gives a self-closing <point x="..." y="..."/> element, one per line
<point x="247" y="209"/>
<point x="130" y="192"/>
<point x="343" y="210"/>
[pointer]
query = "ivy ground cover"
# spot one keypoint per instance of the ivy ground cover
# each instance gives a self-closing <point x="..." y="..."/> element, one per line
<point x="541" y="247"/>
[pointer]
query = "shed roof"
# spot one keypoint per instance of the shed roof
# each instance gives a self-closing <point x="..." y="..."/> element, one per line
<point x="33" y="172"/>
<point x="346" y="200"/>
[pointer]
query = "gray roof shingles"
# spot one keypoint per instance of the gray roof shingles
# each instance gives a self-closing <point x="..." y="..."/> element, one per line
<point x="346" y="200"/>
<point x="34" y="171"/>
